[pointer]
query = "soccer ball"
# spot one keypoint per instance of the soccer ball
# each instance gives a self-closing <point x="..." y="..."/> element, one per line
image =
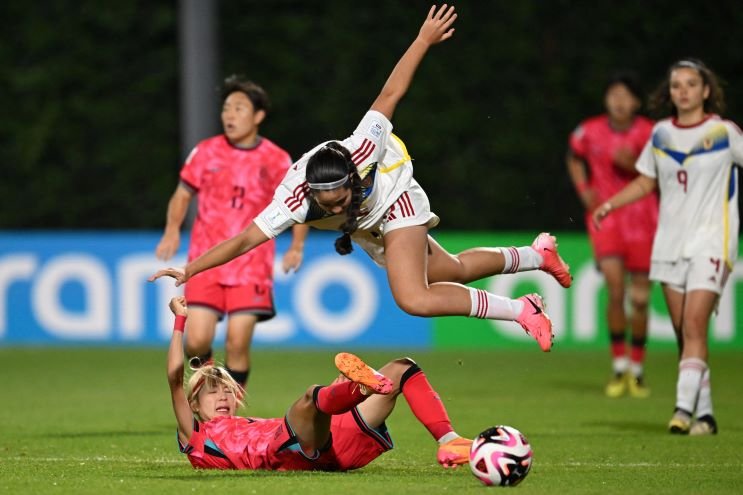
<point x="500" y="456"/>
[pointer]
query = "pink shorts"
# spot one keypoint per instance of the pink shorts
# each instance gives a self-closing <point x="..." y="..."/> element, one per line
<point x="621" y="238"/>
<point x="354" y="444"/>
<point x="257" y="299"/>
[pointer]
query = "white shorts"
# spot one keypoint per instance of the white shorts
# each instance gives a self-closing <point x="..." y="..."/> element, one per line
<point x="687" y="274"/>
<point x="411" y="209"/>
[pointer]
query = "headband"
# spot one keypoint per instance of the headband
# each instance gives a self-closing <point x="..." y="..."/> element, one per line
<point x="328" y="186"/>
<point x="689" y="64"/>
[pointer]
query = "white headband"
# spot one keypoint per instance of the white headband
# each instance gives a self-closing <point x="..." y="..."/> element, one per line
<point x="328" y="186"/>
<point x="689" y="64"/>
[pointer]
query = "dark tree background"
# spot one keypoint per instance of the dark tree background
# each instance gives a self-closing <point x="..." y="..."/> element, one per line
<point x="89" y="96"/>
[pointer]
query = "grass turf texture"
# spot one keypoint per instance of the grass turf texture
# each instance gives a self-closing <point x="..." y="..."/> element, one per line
<point x="99" y="421"/>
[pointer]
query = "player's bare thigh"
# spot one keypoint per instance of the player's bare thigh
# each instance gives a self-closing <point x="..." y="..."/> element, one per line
<point x="200" y="328"/>
<point x="406" y="253"/>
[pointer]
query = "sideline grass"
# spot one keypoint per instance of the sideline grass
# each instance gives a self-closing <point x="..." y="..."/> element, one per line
<point x="99" y="421"/>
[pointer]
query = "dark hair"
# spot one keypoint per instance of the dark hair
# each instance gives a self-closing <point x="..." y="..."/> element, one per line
<point x="628" y="79"/>
<point x="330" y="163"/>
<point x="256" y="94"/>
<point x="660" y="100"/>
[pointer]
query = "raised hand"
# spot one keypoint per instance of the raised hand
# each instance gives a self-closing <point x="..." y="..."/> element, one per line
<point x="178" y="306"/>
<point x="437" y="26"/>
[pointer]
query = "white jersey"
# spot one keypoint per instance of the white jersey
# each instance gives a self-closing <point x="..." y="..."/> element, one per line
<point x="697" y="176"/>
<point x="374" y="150"/>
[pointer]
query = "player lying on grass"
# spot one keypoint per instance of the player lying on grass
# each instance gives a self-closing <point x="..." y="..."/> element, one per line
<point x="363" y="186"/>
<point x="337" y="427"/>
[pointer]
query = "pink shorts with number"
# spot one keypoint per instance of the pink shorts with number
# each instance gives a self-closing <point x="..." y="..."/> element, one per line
<point x="627" y="233"/>
<point x="206" y="291"/>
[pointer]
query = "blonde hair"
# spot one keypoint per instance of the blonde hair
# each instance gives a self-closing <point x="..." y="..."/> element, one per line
<point x="211" y="376"/>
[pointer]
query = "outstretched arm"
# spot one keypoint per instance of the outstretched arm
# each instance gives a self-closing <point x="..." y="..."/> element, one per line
<point x="177" y="208"/>
<point x="436" y="28"/>
<point x="579" y="177"/>
<point x="292" y="259"/>
<point x="218" y="255"/>
<point x="638" y="188"/>
<point x="182" y="410"/>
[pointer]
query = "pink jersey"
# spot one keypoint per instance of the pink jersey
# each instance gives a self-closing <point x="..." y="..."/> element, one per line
<point x="596" y="142"/>
<point x="235" y="442"/>
<point x="233" y="185"/>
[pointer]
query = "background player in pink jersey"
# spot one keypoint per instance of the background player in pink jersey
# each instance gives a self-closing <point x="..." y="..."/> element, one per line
<point x="234" y="175"/>
<point x="364" y="187"/>
<point x="601" y="161"/>
<point x="333" y="428"/>
<point x="692" y="159"/>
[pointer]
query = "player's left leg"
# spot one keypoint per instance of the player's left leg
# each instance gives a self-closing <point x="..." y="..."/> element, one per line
<point x="698" y="308"/>
<point x="425" y="404"/>
<point x="408" y="254"/>
<point x="240" y="329"/>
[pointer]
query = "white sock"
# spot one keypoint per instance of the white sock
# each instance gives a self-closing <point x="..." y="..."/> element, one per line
<point x="489" y="306"/>
<point x="520" y="259"/>
<point x="452" y="435"/>
<point x="635" y="369"/>
<point x="689" y="381"/>
<point x="704" y="402"/>
<point x="620" y="364"/>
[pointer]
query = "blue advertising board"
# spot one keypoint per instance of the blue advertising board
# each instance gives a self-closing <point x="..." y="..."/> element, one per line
<point x="92" y="288"/>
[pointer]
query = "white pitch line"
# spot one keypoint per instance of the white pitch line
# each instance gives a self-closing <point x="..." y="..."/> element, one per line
<point x="576" y="464"/>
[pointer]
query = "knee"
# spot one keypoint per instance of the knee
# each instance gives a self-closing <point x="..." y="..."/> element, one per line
<point x="639" y="298"/>
<point x="236" y="345"/>
<point x="307" y="400"/>
<point x="395" y="370"/>
<point x="615" y="294"/>
<point x="415" y="303"/>
<point x="197" y="343"/>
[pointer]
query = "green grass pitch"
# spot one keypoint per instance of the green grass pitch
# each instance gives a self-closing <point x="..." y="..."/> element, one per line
<point x="96" y="421"/>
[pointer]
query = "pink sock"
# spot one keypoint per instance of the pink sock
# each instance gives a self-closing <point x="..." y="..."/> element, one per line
<point x="338" y="398"/>
<point x="425" y="403"/>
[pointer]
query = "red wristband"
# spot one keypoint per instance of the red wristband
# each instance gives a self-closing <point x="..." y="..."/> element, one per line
<point x="180" y="323"/>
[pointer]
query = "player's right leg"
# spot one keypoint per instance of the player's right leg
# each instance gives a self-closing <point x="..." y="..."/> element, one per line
<point x="310" y="416"/>
<point x="205" y="299"/>
<point x="612" y="268"/>
<point x="481" y="262"/>
<point x="639" y="295"/>
<point x="200" y="328"/>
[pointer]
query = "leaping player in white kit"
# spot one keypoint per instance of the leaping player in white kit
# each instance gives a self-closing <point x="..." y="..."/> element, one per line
<point x="691" y="158"/>
<point x="364" y="186"/>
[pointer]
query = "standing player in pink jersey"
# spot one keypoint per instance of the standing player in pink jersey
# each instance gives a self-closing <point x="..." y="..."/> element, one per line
<point x="363" y="186"/>
<point x="234" y="175"/>
<point x="601" y="161"/>
<point x="337" y="427"/>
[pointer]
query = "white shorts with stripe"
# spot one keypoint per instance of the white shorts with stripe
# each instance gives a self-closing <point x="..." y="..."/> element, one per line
<point x="411" y="209"/>
<point x="687" y="274"/>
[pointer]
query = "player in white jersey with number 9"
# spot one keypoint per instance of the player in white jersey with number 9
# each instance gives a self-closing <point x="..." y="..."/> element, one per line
<point x="691" y="158"/>
<point x="363" y="186"/>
